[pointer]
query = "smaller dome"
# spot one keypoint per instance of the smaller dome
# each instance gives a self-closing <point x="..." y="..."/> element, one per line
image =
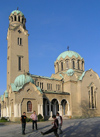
<point x="22" y="79"/>
<point x="2" y="97"/>
<point x="70" y="72"/>
<point x="69" y="54"/>
<point x="17" y="11"/>
<point x="6" y="94"/>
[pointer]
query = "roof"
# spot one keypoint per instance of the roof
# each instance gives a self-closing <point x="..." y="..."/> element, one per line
<point x="83" y="74"/>
<point x="69" y="54"/>
<point x="17" y="11"/>
<point x="44" y="77"/>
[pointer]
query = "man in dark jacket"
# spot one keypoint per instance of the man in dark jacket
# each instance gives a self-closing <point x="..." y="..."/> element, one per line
<point x="54" y="128"/>
<point x="23" y="121"/>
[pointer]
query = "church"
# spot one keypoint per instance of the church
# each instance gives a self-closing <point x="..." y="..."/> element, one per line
<point x="71" y="91"/>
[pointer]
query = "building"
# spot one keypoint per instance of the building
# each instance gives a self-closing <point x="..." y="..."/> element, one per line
<point x="71" y="90"/>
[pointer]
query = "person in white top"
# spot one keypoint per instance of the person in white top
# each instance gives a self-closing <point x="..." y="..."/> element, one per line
<point x="34" y="120"/>
<point x="60" y="123"/>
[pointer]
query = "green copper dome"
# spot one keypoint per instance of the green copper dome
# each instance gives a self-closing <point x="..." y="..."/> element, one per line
<point x="6" y="94"/>
<point x="17" y="11"/>
<point x="2" y="97"/>
<point x="22" y="79"/>
<point x="69" y="54"/>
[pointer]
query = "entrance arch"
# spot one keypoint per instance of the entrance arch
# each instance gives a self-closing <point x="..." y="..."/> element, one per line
<point x="46" y="108"/>
<point x="64" y="106"/>
<point x="54" y="106"/>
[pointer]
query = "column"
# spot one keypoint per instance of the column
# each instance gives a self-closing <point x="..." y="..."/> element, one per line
<point x="15" y="111"/>
<point x="1" y="112"/>
<point x="19" y="110"/>
<point x="45" y="108"/>
<point x="9" y="111"/>
<point x="50" y="109"/>
<point x="60" y="109"/>
<point x="39" y="111"/>
<point x="68" y="112"/>
<point x="42" y="110"/>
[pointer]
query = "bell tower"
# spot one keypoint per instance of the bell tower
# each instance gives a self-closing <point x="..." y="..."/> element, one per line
<point x="17" y="48"/>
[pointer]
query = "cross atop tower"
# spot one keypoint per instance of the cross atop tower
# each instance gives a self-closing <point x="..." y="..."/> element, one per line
<point x="68" y="48"/>
<point x="17" y="8"/>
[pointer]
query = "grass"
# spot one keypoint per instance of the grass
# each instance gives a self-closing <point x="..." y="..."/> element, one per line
<point x="3" y="120"/>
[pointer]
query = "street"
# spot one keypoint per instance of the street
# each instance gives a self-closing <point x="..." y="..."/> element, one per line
<point x="71" y="128"/>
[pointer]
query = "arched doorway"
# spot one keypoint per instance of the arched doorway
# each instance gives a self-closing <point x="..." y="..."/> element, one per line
<point x="64" y="106"/>
<point x="46" y="107"/>
<point x="54" y="106"/>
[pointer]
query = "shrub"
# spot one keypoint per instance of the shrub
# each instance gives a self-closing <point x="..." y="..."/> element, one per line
<point x="40" y="117"/>
<point x="3" y="119"/>
<point x="28" y="120"/>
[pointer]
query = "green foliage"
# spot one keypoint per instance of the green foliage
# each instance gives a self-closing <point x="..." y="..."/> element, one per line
<point x="3" y="119"/>
<point x="40" y="117"/>
<point x="28" y="120"/>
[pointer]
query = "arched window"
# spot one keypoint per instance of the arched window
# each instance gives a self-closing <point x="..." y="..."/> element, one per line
<point x="14" y="18"/>
<point x="29" y="106"/>
<point x="19" y="18"/>
<point x="22" y="20"/>
<point x="58" y="67"/>
<point x="78" y="64"/>
<point x="73" y="63"/>
<point x="92" y="98"/>
<point x="82" y="65"/>
<point x="61" y="66"/>
<point x="67" y="64"/>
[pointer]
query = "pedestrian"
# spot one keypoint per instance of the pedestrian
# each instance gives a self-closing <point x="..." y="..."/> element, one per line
<point x="54" y="128"/>
<point x="34" y="120"/>
<point x="23" y="121"/>
<point x="60" y="123"/>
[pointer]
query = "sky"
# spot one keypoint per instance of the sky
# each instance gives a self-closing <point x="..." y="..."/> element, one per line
<point x="52" y="26"/>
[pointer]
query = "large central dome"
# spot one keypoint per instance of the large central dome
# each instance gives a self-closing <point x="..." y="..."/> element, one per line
<point x="69" y="54"/>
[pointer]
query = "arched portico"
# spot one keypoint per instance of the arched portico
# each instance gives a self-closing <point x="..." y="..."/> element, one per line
<point x="65" y="107"/>
<point x="46" y="107"/>
<point x="54" y="106"/>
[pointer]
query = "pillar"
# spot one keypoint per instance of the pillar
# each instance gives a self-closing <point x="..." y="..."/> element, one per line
<point x="60" y="109"/>
<point x="39" y="109"/>
<point x="19" y="110"/>
<point x="42" y="110"/>
<point x="50" y="109"/>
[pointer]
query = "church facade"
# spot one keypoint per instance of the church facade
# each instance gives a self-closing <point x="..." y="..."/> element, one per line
<point x="71" y="90"/>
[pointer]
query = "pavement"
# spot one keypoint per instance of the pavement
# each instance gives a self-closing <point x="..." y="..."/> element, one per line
<point x="71" y="128"/>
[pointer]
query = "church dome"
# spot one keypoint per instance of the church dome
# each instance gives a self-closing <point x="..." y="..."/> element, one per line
<point x="22" y="79"/>
<point x="17" y="11"/>
<point x="16" y="18"/>
<point x="69" y="54"/>
<point x="6" y="94"/>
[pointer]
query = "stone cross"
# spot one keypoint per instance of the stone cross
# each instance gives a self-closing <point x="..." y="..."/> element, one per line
<point x="68" y="48"/>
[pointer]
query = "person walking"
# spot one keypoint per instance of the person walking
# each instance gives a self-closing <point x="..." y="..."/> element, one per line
<point x="60" y="123"/>
<point x="54" y="128"/>
<point x="34" y="120"/>
<point x="23" y="121"/>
